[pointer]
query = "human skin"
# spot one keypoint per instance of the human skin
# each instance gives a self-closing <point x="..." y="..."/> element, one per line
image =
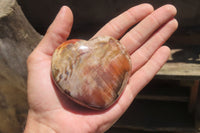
<point x="52" y="112"/>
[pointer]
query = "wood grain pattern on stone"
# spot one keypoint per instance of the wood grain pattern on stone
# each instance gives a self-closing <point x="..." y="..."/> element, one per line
<point x="92" y="73"/>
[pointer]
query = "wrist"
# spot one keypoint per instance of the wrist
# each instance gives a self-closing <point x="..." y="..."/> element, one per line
<point x="33" y="125"/>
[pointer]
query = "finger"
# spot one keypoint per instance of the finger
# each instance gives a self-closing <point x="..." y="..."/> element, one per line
<point x="144" y="53"/>
<point x="140" y="33"/>
<point x="143" y="76"/>
<point x="119" y="25"/>
<point x="58" y="31"/>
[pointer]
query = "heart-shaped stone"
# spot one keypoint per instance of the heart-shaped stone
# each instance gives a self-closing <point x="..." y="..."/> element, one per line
<point x="92" y="73"/>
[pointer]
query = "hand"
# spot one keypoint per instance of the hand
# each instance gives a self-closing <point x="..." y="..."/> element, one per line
<point x="50" y="111"/>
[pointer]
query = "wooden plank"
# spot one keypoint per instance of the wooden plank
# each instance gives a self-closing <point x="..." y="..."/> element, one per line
<point x="165" y="90"/>
<point x="197" y="112"/>
<point x="157" y="116"/>
<point x="162" y="98"/>
<point x="153" y="111"/>
<point x="184" y="63"/>
<point x="193" y="96"/>
<point x="179" y="71"/>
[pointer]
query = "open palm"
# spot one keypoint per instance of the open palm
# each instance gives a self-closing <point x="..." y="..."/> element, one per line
<point x="51" y="111"/>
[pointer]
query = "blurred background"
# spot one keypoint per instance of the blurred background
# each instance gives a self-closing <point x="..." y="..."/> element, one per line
<point x="90" y="15"/>
<point x="169" y="104"/>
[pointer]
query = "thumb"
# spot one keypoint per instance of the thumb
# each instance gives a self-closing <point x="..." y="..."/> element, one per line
<point x="57" y="32"/>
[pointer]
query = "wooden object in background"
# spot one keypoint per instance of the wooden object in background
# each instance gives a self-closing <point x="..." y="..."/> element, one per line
<point x="17" y="37"/>
<point x="17" y="40"/>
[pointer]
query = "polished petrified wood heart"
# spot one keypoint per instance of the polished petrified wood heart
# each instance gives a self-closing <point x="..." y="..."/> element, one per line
<point x="92" y="73"/>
